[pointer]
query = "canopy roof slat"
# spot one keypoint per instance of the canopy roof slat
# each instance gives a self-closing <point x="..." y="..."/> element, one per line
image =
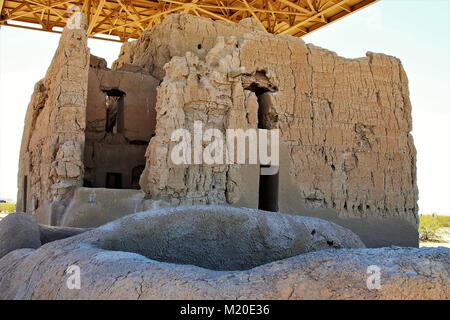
<point x="126" y="19"/>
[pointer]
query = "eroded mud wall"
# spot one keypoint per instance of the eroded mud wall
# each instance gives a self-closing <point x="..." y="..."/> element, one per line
<point x="347" y="152"/>
<point x="51" y="158"/>
<point x="195" y="90"/>
<point x="174" y="36"/>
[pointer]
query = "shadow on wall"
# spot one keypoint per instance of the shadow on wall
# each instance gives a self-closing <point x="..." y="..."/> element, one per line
<point x="121" y="120"/>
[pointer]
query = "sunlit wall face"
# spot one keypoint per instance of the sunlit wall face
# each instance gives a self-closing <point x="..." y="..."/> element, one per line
<point x="425" y="54"/>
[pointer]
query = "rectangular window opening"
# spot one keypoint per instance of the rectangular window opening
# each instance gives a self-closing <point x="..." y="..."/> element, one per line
<point x="114" y="111"/>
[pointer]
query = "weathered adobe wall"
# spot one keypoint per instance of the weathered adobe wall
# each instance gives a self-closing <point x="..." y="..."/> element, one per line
<point x="347" y="151"/>
<point x="193" y="91"/>
<point x="53" y="139"/>
<point x="118" y="152"/>
<point x="173" y="37"/>
<point x="346" y="125"/>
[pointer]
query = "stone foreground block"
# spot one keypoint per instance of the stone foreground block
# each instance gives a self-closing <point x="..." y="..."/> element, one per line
<point x="217" y="252"/>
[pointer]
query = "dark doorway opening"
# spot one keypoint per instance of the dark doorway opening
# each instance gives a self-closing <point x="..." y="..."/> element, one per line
<point x="135" y="176"/>
<point x="25" y="193"/>
<point x="114" y="111"/>
<point x="268" y="191"/>
<point x="268" y="183"/>
<point x="113" y="180"/>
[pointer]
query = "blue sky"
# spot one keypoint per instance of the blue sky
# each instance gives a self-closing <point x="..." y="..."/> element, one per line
<point x="395" y="27"/>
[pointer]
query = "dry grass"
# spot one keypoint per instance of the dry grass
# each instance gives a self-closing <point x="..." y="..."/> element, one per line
<point x="434" y="230"/>
<point x="7" y="207"/>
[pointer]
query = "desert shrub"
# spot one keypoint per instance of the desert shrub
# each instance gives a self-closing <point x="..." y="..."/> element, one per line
<point x="7" y="207"/>
<point x="429" y="226"/>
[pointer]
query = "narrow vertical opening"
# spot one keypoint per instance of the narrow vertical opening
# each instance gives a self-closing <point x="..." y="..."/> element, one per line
<point x="25" y="193"/>
<point x="268" y="184"/>
<point x="268" y="192"/>
<point x="113" y="180"/>
<point x="135" y="176"/>
<point x="114" y="111"/>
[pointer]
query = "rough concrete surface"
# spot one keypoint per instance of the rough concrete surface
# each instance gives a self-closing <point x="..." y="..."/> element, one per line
<point x="122" y="260"/>
<point x="17" y="231"/>
<point x="20" y="231"/>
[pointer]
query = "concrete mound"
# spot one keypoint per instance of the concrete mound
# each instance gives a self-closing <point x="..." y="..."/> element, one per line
<point x="221" y="237"/>
<point x="17" y="231"/>
<point x="21" y="231"/>
<point x="219" y="252"/>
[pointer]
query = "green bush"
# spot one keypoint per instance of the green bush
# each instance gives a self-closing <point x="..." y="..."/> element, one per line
<point x="7" y="207"/>
<point x="429" y="226"/>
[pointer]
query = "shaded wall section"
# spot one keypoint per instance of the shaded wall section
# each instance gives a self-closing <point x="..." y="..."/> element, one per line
<point x="121" y="119"/>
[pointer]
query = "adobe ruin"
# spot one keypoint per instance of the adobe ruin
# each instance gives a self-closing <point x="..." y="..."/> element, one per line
<point x="347" y="154"/>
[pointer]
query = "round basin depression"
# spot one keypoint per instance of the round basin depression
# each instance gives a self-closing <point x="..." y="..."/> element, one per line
<point x="221" y="237"/>
<point x="220" y="252"/>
